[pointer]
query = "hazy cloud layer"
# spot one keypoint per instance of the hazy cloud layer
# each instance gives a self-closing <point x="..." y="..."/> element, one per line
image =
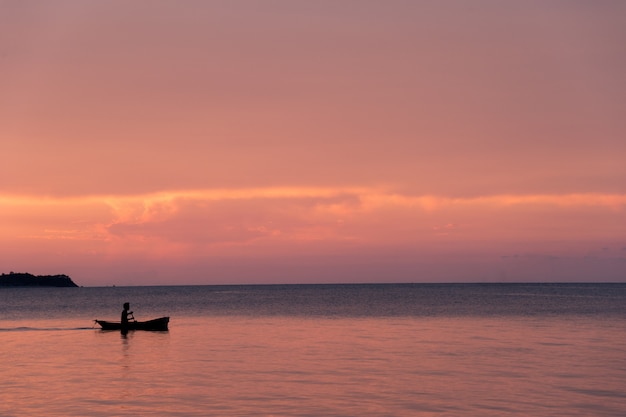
<point x="332" y="226"/>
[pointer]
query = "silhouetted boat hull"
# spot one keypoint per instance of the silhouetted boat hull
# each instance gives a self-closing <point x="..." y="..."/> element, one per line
<point x="159" y="324"/>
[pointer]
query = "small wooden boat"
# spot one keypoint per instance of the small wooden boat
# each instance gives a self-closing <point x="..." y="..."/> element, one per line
<point x="159" y="324"/>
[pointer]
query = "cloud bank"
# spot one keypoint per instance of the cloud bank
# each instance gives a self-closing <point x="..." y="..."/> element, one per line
<point x="282" y="224"/>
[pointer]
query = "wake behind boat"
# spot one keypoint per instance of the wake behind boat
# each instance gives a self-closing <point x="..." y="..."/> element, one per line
<point x="159" y="324"/>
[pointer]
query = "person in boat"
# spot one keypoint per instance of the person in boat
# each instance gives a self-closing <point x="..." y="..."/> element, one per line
<point x="125" y="316"/>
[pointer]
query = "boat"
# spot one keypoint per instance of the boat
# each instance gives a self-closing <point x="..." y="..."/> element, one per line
<point x="159" y="324"/>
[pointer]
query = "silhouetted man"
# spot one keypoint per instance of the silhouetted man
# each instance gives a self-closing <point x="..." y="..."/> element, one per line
<point x="125" y="316"/>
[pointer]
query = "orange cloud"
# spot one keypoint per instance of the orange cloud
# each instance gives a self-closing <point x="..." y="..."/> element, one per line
<point x="206" y="218"/>
<point x="281" y="223"/>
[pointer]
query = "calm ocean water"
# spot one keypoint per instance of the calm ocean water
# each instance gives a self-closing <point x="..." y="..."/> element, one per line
<point x="317" y="350"/>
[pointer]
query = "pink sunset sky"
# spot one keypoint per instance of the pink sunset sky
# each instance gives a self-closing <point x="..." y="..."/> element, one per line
<point x="282" y="141"/>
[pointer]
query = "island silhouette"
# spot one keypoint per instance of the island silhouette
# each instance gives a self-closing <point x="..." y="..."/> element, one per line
<point x="24" y="279"/>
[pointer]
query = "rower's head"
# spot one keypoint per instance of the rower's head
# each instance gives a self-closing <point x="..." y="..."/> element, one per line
<point x="126" y="306"/>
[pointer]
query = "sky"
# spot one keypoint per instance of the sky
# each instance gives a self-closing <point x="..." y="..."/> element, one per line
<point x="287" y="141"/>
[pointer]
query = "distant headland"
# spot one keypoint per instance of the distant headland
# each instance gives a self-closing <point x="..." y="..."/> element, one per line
<point x="23" y="279"/>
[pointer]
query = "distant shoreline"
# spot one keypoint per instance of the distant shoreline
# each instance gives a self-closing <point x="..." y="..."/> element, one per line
<point x="372" y="284"/>
<point x="24" y="279"/>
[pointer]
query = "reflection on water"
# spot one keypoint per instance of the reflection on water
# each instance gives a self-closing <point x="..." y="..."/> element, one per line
<point x="366" y="350"/>
<point x="313" y="366"/>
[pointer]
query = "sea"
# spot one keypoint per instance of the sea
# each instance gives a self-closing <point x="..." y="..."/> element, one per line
<point x="317" y="350"/>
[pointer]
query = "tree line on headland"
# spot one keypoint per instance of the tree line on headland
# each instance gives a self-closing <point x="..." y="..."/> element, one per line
<point x="24" y="279"/>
